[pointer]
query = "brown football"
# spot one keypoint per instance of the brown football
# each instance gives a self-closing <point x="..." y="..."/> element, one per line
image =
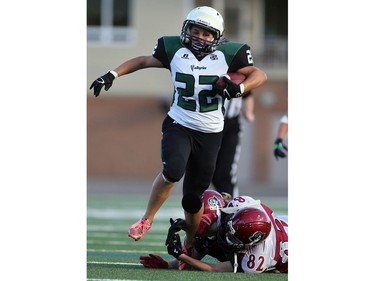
<point x="236" y="77"/>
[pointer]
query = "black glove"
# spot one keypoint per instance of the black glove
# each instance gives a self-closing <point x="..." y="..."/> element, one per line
<point x="105" y="80"/>
<point x="232" y="90"/>
<point x="174" y="247"/>
<point x="279" y="149"/>
<point x="176" y="226"/>
<point x="201" y="245"/>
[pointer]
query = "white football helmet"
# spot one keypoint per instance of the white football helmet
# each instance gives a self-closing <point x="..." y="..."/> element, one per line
<point x="240" y="202"/>
<point x="207" y="18"/>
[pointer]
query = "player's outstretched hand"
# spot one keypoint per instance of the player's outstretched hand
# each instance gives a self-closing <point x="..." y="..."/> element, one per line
<point x="153" y="261"/>
<point x="232" y="90"/>
<point x="280" y="149"/>
<point x="174" y="247"/>
<point x="106" y="80"/>
<point x="176" y="226"/>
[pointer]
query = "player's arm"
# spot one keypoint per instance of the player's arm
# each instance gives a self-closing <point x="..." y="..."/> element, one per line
<point x="280" y="149"/>
<point x="200" y="265"/>
<point x="254" y="77"/>
<point x="127" y="67"/>
<point x="283" y="127"/>
<point x="137" y="63"/>
<point x="131" y="65"/>
<point x="247" y="108"/>
<point x="207" y="225"/>
<point x="243" y="63"/>
<point x="174" y="248"/>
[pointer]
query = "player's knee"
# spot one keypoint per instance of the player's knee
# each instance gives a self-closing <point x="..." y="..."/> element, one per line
<point x="167" y="179"/>
<point x="172" y="175"/>
<point x="191" y="203"/>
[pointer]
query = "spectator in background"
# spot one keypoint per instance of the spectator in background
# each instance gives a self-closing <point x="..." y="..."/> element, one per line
<point x="280" y="149"/>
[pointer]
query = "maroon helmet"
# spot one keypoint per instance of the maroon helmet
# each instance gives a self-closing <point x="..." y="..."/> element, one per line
<point x="212" y="200"/>
<point x="247" y="227"/>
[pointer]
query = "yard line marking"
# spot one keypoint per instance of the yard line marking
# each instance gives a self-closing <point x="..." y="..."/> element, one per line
<point x="90" y="242"/>
<point x="106" y="235"/>
<point x="133" y="214"/>
<point x="117" y="263"/>
<point x="91" y="279"/>
<point x="93" y="242"/>
<point x="123" y="251"/>
<point x="96" y="234"/>
<point x="124" y="228"/>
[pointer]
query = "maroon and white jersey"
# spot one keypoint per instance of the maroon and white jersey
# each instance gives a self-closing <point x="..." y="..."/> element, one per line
<point x="269" y="255"/>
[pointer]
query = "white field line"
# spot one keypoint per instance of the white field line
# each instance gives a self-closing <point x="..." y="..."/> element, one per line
<point x="158" y="227"/>
<point x="106" y="235"/>
<point x="89" y="242"/>
<point x="122" y="251"/>
<point x="115" y="280"/>
<point x="117" y="263"/>
<point x="96" y="213"/>
<point x="94" y="279"/>
<point x="93" y="235"/>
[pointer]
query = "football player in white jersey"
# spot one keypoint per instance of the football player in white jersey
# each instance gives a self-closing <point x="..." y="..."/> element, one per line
<point x="253" y="239"/>
<point x="192" y="130"/>
<point x="256" y="237"/>
<point x="248" y="238"/>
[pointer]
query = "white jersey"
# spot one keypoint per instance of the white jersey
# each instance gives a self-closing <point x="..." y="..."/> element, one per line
<point x="195" y="104"/>
<point x="272" y="253"/>
<point x="198" y="118"/>
<point x="269" y="255"/>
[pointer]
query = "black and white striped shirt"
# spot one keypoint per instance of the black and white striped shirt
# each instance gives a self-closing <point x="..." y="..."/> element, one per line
<point x="232" y="108"/>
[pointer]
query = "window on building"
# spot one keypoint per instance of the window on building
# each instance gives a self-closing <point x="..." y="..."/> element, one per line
<point x="232" y="22"/>
<point x="276" y="32"/>
<point x="276" y="18"/>
<point x="109" y="21"/>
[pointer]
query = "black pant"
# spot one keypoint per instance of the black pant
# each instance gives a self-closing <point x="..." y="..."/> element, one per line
<point x="191" y="153"/>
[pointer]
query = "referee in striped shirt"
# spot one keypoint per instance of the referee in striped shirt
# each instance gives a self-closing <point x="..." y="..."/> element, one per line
<point x="225" y="176"/>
